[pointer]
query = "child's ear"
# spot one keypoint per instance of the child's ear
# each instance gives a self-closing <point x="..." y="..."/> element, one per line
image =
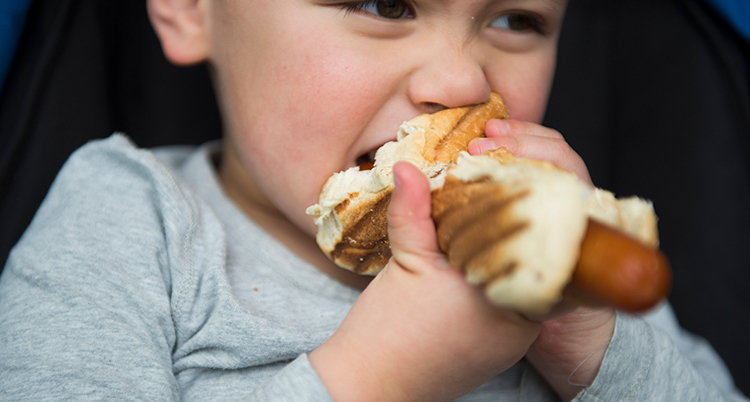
<point x="181" y="26"/>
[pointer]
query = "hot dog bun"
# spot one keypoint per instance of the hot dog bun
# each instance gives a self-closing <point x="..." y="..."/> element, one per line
<point x="351" y="212"/>
<point x="515" y="226"/>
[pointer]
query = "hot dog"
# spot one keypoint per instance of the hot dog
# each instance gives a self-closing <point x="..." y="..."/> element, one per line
<point x="618" y="270"/>
<point x="525" y="231"/>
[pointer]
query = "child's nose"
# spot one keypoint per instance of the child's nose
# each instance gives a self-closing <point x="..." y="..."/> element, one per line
<point x="448" y="77"/>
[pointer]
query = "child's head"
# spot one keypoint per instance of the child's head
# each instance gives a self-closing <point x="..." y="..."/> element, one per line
<point x="310" y="87"/>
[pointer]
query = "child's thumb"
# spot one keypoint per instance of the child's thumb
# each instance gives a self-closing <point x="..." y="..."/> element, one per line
<point x="411" y="231"/>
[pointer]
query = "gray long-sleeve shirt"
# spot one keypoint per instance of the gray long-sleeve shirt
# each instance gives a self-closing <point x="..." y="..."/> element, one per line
<point x="140" y="280"/>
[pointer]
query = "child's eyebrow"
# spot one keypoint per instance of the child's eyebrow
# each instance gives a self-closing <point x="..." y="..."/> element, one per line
<point x="556" y="5"/>
<point x="559" y="4"/>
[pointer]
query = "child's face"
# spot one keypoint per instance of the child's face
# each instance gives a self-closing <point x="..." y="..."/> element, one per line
<point x="311" y="87"/>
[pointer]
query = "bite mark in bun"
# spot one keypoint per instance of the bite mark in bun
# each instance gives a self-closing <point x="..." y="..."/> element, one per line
<point x="351" y="212"/>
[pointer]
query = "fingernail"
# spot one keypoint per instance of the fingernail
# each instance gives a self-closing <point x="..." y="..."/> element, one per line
<point x="480" y="145"/>
<point x="502" y="127"/>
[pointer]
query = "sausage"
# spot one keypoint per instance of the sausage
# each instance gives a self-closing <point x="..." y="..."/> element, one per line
<point x="619" y="271"/>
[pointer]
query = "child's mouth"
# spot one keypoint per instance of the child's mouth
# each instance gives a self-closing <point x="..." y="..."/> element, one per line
<point x="366" y="161"/>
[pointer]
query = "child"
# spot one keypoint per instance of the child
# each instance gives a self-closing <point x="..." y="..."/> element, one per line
<point x="193" y="273"/>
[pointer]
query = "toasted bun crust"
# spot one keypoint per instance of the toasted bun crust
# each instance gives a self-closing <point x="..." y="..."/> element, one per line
<point x="513" y="225"/>
<point x="352" y="209"/>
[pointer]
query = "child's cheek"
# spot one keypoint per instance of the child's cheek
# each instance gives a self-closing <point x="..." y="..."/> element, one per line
<point x="327" y="90"/>
<point x="525" y="85"/>
<point x="527" y="104"/>
<point x="316" y="106"/>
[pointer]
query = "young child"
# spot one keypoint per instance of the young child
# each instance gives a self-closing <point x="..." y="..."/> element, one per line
<point x="193" y="274"/>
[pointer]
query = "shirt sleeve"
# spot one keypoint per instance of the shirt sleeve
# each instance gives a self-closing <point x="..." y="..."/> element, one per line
<point x="651" y="359"/>
<point x="84" y="301"/>
<point x="92" y="295"/>
<point x="297" y="382"/>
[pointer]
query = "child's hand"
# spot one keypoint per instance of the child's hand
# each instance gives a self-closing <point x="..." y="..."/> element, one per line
<point x="529" y="140"/>
<point x="570" y="349"/>
<point x="583" y="335"/>
<point x="419" y="331"/>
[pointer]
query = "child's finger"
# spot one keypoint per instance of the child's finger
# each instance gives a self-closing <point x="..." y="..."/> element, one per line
<point x="506" y="132"/>
<point x="496" y="128"/>
<point x="533" y="141"/>
<point x="411" y="231"/>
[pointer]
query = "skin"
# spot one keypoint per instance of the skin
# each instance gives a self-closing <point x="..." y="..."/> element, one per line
<point x="306" y="89"/>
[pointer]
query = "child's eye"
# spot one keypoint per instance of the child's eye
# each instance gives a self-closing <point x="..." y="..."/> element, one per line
<point x="390" y="9"/>
<point x="519" y="22"/>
